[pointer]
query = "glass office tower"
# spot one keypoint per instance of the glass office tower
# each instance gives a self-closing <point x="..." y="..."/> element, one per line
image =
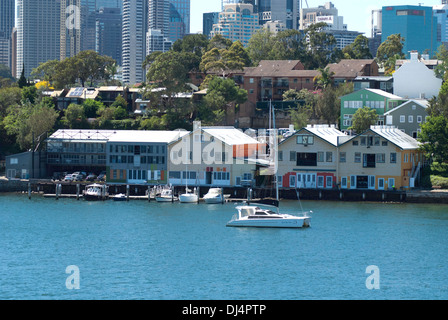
<point x="416" y="24"/>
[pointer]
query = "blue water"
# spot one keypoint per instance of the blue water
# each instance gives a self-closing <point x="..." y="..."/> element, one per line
<point x="141" y="250"/>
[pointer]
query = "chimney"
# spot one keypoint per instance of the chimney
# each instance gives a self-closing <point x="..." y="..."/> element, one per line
<point x="414" y="56"/>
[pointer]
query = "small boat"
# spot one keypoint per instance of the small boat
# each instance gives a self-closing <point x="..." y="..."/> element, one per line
<point x="95" y="192"/>
<point x="166" y="196"/>
<point x="188" y="197"/>
<point x="214" y="195"/>
<point x="119" y="197"/>
<point x="253" y="216"/>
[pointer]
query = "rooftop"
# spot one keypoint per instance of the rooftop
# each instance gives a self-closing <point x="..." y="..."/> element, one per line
<point x="396" y="136"/>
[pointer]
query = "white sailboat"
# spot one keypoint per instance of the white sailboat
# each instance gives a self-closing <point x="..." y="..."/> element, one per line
<point x="254" y="216"/>
<point x="165" y="195"/>
<point x="188" y="197"/>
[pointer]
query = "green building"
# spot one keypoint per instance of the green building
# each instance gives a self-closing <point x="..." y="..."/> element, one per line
<point x="379" y="100"/>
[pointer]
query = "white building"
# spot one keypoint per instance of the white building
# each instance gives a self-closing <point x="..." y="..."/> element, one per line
<point x="134" y="40"/>
<point x="414" y="80"/>
<point x="238" y="22"/>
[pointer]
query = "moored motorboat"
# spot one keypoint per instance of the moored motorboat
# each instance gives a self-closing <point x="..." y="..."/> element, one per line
<point x="214" y="195"/>
<point x="119" y="197"/>
<point x="95" y="192"/>
<point x="253" y="216"/>
<point x="166" y="195"/>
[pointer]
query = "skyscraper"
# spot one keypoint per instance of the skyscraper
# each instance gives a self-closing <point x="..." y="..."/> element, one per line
<point x="38" y="33"/>
<point x="134" y="40"/>
<point x="6" y="26"/>
<point x="416" y="24"/>
<point x="179" y="20"/>
<point x="285" y="11"/>
<point x="108" y="33"/>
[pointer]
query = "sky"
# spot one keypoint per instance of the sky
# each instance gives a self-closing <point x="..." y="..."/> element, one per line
<point x="356" y="13"/>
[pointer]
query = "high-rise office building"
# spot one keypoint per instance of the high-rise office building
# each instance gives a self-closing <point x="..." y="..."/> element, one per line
<point x="208" y="20"/>
<point x="441" y="12"/>
<point x="7" y="8"/>
<point x="38" y="33"/>
<point x="179" y="20"/>
<point x="134" y="30"/>
<point x="108" y="33"/>
<point x="238" y="22"/>
<point x="416" y="24"/>
<point x="159" y="15"/>
<point x="285" y="11"/>
<point x="156" y="41"/>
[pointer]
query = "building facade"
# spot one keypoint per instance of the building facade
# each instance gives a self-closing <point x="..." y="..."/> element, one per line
<point x="286" y="11"/>
<point x="108" y="26"/>
<point x="408" y="117"/>
<point x="416" y="24"/>
<point x="238" y="22"/>
<point x="38" y="33"/>
<point x="378" y="100"/>
<point x="134" y="40"/>
<point x="179" y="19"/>
<point x="414" y="80"/>
<point x="7" y="22"/>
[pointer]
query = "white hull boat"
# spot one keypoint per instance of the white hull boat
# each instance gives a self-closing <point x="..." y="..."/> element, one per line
<point x="214" y="195"/>
<point x="188" y="198"/>
<point x="252" y="216"/>
<point x="95" y="192"/>
<point x="166" y="196"/>
<point x="119" y="197"/>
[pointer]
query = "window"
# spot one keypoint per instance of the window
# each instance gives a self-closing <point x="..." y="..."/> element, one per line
<point x="369" y="160"/>
<point x="352" y="182"/>
<point x="329" y="182"/>
<point x="305" y="139"/>
<point x="344" y="182"/>
<point x="320" y="156"/>
<point x="402" y="119"/>
<point x="13" y="161"/>
<point x="280" y="156"/>
<point x="292" y="156"/>
<point x="371" y="182"/>
<point x="363" y="141"/>
<point x="410" y="119"/>
<point x="380" y="157"/>
<point x="342" y="157"/>
<point x="306" y="159"/>
<point x="393" y="157"/>
<point x="419" y="119"/>
<point x="381" y="183"/>
<point x="320" y="181"/>
<point x="355" y="142"/>
<point x="357" y="157"/>
<point x="329" y="156"/>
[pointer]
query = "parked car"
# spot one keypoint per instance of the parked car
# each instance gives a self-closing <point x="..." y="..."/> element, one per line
<point x="78" y="177"/>
<point x="91" y="177"/>
<point x="68" y="177"/>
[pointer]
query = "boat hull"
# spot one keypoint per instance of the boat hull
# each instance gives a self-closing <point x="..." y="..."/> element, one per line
<point x="166" y="199"/>
<point x="188" y="198"/>
<point x="298" y="222"/>
<point x="213" y="200"/>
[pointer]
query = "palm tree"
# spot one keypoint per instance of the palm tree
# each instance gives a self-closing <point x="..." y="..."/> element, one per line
<point x="325" y="78"/>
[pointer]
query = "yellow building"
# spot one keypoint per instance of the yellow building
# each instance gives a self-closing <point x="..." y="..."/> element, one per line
<point x="381" y="158"/>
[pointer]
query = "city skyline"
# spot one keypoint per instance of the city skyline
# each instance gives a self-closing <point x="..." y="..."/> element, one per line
<point x="357" y="14"/>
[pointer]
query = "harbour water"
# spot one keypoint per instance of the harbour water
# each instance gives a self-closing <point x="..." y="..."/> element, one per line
<point x="156" y="251"/>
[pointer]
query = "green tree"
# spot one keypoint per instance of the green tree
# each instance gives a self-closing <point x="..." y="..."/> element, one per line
<point x="91" y="107"/>
<point x="320" y="47"/>
<point x="92" y="66"/>
<point x="359" y="49"/>
<point x="260" y="46"/>
<point x="441" y="69"/>
<point x="223" y="61"/>
<point x="75" y="116"/>
<point x="390" y="48"/>
<point x="434" y="138"/>
<point x="22" y="80"/>
<point x="438" y="106"/>
<point x="363" y="119"/>
<point x="325" y="78"/>
<point x="222" y="94"/>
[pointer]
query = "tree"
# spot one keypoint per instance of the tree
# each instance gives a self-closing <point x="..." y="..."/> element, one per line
<point x="222" y="94"/>
<point x="92" y="66"/>
<point x="434" y="138"/>
<point x="224" y="60"/>
<point x="25" y="120"/>
<point x="91" y="107"/>
<point x="441" y="69"/>
<point x="75" y="116"/>
<point x="363" y="119"/>
<point x="22" y="80"/>
<point x="359" y="49"/>
<point x="260" y="46"/>
<point x="438" y="106"/>
<point x="390" y="48"/>
<point x="320" y="47"/>
<point x="325" y="78"/>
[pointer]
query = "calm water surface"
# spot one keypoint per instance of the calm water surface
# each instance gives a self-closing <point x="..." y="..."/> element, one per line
<point x="141" y="250"/>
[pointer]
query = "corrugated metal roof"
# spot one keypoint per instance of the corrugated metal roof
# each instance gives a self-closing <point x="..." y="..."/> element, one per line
<point x="230" y="135"/>
<point x="144" y="136"/>
<point x="396" y="136"/>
